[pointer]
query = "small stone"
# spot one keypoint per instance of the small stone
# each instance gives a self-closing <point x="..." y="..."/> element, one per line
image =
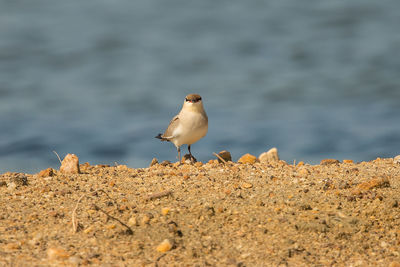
<point x="396" y="159"/>
<point x="212" y="161"/>
<point x="301" y="163"/>
<point x="165" y="163"/>
<point x="348" y="161"/>
<point x="18" y="179"/>
<point x="154" y="161"/>
<point x="74" y="260"/>
<point x="132" y="221"/>
<point x="122" y="167"/>
<point x="85" y="166"/>
<point x="374" y="183"/>
<point x="46" y="173"/>
<point x="304" y="172"/>
<point x="269" y="156"/>
<point x="394" y="264"/>
<point x="165" y="246"/>
<point x="57" y="254"/>
<point x="146" y="218"/>
<point x="111" y="226"/>
<point x="12" y="246"/>
<point x="88" y="229"/>
<point x="3" y="183"/>
<point x="246" y="185"/>
<point x="248" y="158"/>
<point x="198" y="164"/>
<point x="165" y="211"/>
<point x="102" y="165"/>
<point x="305" y="207"/>
<point x="329" y="161"/>
<point x="11" y="186"/>
<point x="226" y="155"/>
<point x="173" y="228"/>
<point x="70" y="164"/>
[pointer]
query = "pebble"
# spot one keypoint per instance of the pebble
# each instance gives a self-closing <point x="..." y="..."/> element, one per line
<point x="122" y="167"/>
<point x="301" y="163"/>
<point x="146" y="218"/>
<point x="88" y="229"/>
<point x="348" y="161"/>
<point x="19" y="179"/>
<point x="46" y="173"/>
<point x="374" y="183"/>
<point x="226" y="155"/>
<point x="329" y="161"/>
<point x="165" y="246"/>
<point x="57" y="254"/>
<point x="70" y="164"/>
<point x="248" y="158"/>
<point x="12" y="246"/>
<point x="165" y="211"/>
<point x="132" y="221"/>
<point x="11" y="186"/>
<point x="154" y="161"/>
<point x="304" y="172"/>
<point x="75" y="260"/>
<point x="172" y="227"/>
<point x="396" y="159"/>
<point x="246" y="185"/>
<point x="165" y="163"/>
<point x="269" y="156"/>
<point x="111" y="226"/>
<point x="198" y="164"/>
<point x="85" y="166"/>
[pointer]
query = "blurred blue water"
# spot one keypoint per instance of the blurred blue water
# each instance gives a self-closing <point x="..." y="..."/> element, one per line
<point x="100" y="79"/>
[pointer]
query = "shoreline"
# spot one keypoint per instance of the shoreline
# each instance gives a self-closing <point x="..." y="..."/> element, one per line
<point x="225" y="214"/>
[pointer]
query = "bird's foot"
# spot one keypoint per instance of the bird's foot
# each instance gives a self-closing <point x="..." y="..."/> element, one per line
<point x="189" y="159"/>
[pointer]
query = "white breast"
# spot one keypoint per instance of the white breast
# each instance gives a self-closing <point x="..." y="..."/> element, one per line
<point x="192" y="127"/>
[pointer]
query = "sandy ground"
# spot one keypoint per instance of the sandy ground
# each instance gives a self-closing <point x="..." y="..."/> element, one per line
<point x="213" y="214"/>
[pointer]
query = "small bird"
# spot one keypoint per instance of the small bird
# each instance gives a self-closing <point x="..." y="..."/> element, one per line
<point x="189" y="126"/>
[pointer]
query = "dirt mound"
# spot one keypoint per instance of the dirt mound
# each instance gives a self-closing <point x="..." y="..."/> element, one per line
<point x="217" y="214"/>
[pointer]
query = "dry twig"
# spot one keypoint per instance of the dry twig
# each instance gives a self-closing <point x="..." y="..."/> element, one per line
<point x="128" y="231"/>
<point x="218" y="156"/>
<point x="59" y="159"/>
<point x="159" y="258"/>
<point x="75" y="221"/>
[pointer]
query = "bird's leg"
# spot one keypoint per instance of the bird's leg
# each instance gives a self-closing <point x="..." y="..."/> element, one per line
<point x="191" y="156"/>
<point x="179" y="154"/>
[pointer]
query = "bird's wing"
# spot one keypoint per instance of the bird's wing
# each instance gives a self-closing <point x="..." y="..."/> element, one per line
<point x="173" y="124"/>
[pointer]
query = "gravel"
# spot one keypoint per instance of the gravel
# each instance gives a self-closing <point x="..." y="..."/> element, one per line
<point x="217" y="214"/>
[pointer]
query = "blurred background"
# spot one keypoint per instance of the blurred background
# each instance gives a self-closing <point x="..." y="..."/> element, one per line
<point x="316" y="79"/>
